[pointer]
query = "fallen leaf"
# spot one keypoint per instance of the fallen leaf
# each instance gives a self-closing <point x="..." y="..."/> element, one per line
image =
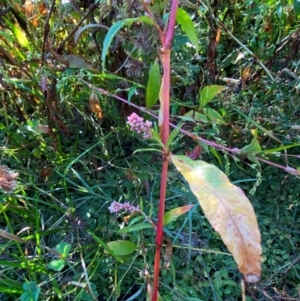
<point x="95" y="106"/>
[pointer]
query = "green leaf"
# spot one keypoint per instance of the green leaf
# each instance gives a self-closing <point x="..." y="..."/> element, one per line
<point x="135" y="228"/>
<point x="153" y="86"/>
<point x="297" y="7"/>
<point x="187" y="25"/>
<point x="111" y="34"/>
<point x="254" y="146"/>
<point x="208" y="93"/>
<point x="19" y="34"/>
<point x="132" y="91"/>
<point x="105" y="246"/>
<point x="57" y="265"/>
<point x="8" y="285"/>
<point x="216" y="154"/>
<point x="173" y="135"/>
<point x="64" y="249"/>
<point x="114" y="30"/>
<point x="32" y="292"/>
<point x="175" y="213"/>
<point x="195" y="116"/>
<point x="214" y="115"/>
<point x="122" y="247"/>
<point x="146" y="20"/>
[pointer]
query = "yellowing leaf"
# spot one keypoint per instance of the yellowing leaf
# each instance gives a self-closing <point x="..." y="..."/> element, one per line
<point x="175" y="213"/>
<point x="228" y="210"/>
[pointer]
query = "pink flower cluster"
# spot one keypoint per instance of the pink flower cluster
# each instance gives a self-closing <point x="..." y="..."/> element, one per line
<point x="138" y="125"/>
<point x="116" y="207"/>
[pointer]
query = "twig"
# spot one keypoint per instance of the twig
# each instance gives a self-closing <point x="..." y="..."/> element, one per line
<point x="232" y="151"/>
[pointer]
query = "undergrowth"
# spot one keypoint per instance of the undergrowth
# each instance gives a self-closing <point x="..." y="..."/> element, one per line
<point x="67" y="152"/>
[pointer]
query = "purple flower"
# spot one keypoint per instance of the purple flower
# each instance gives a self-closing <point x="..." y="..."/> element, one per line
<point x="138" y="125"/>
<point x="116" y="207"/>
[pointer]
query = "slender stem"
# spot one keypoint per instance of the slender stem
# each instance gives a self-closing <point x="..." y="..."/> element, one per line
<point x="165" y="54"/>
<point x="171" y="25"/>
<point x="159" y="233"/>
<point x="194" y="137"/>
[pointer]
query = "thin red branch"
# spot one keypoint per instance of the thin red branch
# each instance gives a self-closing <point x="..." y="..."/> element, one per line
<point x="160" y="224"/>
<point x="194" y="137"/>
<point x="171" y="26"/>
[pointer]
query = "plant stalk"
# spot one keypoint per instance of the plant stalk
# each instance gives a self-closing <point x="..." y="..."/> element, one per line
<point x="165" y="54"/>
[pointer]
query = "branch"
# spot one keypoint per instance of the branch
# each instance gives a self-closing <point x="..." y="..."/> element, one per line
<point x="233" y="151"/>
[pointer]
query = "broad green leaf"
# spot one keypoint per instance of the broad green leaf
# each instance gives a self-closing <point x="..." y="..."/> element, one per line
<point x="114" y="30"/>
<point x="57" y="265"/>
<point x="175" y="213"/>
<point x="19" y="34"/>
<point x="297" y="7"/>
<point x="254" y="146"/>
<point x="208" y="93"/>
<point x="228" y="210"/>
<point x="64" y="249"/>
<point x="32" y="292"/>
<point x="135" y="228"/>
<point x="187" y="25"/>
<point x="214" y="115"/>
<point x="105" y="246"/>
<point x="153" y="86"/>
<point x="122" y="247"/>
<point x="111" y="34"/>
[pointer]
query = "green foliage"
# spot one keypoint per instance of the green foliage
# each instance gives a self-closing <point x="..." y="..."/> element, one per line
<point x="188" y="27"/>
<point x="31" y="292"/>
<point x="153" y="86"/>
<point x="72" y="163"/>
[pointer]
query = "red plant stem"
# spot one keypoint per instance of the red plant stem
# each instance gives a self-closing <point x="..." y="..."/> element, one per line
<point x="167" y="43"/>
<point x="160" y="224"/>
<point x="165" y="54"/>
